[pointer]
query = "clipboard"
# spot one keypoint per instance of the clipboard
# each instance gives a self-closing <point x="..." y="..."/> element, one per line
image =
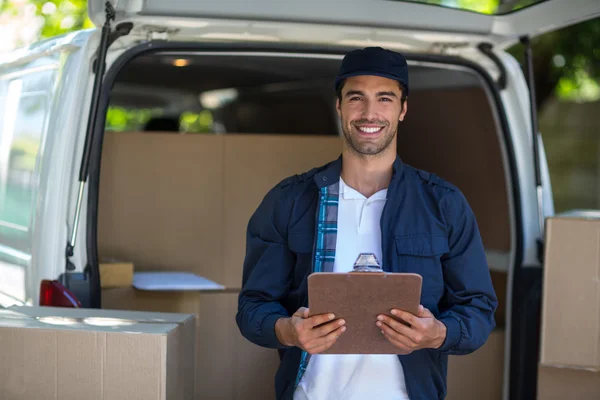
<point x="358" y="297"/>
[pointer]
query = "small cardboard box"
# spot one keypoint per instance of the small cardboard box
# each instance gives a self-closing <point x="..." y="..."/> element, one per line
<point x="478" y="375"/>
<point x="570" y="331"/>
<point x="114" y="273"/>
<point x="225" y="361"/>
<point x="63" y="353"/>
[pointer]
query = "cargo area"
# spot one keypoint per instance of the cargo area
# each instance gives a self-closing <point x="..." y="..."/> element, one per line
<point x="176" y="192"/>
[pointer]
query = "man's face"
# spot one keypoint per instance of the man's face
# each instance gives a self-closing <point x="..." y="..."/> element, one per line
<point x="370" y="110"/>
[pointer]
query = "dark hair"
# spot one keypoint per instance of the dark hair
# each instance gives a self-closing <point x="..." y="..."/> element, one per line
<point x="403" y="97"/>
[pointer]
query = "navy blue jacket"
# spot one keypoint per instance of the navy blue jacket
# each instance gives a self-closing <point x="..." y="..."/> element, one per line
<point x="427" y="228"/>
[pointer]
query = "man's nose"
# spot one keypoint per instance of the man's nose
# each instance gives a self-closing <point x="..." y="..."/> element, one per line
<point x="370" y="110"/>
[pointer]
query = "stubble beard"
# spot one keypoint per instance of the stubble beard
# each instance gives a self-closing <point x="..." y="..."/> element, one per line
<point x="369" y="148"/>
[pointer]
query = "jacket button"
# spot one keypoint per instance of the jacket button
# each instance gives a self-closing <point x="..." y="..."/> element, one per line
<point x="324" y="179"/>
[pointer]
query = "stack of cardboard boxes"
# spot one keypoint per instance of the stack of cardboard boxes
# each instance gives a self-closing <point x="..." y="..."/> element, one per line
<point x="569" y="365"/>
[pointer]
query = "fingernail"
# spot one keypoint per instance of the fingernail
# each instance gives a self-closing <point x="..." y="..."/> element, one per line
<point x="378" y="323"/>
<point x="342" y="322"/>
<point x="394" y="312"/>
<point x="331" y="316"/>
<point x="382" y="332"/>
<point x="380" y="318"/>
<point x="344" y="329"/>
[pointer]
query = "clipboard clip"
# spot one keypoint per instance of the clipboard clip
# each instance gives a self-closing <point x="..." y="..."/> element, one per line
<point x="367" y="262"/>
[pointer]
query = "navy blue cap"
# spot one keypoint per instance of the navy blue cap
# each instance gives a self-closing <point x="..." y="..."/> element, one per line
<point x="374" y="61"/>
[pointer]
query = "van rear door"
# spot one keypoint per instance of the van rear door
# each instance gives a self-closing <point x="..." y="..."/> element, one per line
<point x="417" y="25"/>
<point x="42" y="94"/>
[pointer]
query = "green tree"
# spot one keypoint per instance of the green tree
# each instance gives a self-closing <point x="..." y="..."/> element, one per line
<point x="58" y="16"/>
<point x="566" y="62"/>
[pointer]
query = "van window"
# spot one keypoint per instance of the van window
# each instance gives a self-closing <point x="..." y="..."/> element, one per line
<point x="25" y="97"/>
<point x="23" y="112"/>
<point x="482" y="7"/>
<point x="127" y="119"/>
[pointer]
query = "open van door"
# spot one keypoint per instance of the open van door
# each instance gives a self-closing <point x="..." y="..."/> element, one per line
<point x="420" y="23"/>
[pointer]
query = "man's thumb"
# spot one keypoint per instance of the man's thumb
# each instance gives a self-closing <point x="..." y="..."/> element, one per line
<point x="302" y="312"/>
<point x="424" y="313"/>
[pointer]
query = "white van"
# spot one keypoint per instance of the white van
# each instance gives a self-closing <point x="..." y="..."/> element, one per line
<point x="154" y="138"/>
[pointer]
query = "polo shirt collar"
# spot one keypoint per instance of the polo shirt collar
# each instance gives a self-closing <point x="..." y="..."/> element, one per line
<point x="331" y="173"/>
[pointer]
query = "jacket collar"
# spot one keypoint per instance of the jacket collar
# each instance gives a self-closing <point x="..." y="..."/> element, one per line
<point x="331" y="173"/>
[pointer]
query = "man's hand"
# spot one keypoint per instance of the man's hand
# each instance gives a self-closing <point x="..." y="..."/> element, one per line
<point x="424" y="332"/>
<point x="312" y="334"/>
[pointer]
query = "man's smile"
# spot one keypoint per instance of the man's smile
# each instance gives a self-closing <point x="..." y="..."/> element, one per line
<point x="369" y="129"/>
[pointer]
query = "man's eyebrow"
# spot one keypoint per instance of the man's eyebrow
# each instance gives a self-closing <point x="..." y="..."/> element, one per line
<point x="354" y="93"/>
<point x="361" y="93"/>
<point x="390" y="94"/>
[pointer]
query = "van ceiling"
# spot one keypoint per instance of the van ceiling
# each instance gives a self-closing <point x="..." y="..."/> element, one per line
<point x="255" y="72"/>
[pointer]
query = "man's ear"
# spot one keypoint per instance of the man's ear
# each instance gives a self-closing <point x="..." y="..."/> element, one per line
<point x="338" y="107"/>
<point x="404" y="110"/>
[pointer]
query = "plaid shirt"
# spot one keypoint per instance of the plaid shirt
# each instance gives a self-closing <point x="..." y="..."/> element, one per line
<point x="326" y="239"/>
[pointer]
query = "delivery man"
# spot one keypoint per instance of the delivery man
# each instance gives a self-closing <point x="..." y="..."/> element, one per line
<point x="366" y="201"/>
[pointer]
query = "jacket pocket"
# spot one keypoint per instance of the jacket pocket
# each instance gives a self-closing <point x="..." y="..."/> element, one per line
<point x="421" y="254"/>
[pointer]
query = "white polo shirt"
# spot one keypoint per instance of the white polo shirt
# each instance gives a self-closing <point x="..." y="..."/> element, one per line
<point x="354" y="376"/>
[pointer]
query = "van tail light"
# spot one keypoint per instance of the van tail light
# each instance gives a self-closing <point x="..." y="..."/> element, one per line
<point x="54" y="294"/>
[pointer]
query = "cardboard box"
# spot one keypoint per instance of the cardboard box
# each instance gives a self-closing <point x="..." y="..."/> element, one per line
<point x="478" y="375"/>
<point x="64" y="353"/>
<point x="570" y="331"/>
<point x="115" y="274"/>
<point x="567" y="383"/>
<point x="181" y="226"/>
<point x="225" y="361"/>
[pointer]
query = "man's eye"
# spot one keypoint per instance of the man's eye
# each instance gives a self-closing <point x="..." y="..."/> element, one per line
<point x="354" y="98"/>
<point x="385" y="99"/>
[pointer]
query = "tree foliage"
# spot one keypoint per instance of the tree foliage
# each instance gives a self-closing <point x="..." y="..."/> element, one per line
<point x="58" y="16"/>
<point x="566" y="62"/>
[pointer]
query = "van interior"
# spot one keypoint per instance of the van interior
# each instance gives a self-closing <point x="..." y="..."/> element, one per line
<point x="193" y="141"/>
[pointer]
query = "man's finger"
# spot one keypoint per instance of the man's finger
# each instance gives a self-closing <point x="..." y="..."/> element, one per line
<point x="402" y="329"/>
<point x="323" y="343"/>
<point x="409" y="318"/>
<point x="404" y="349"/>
<point x="319" y="319"/>
<point x="397" y="336"/>
<point x="325" y="329"/>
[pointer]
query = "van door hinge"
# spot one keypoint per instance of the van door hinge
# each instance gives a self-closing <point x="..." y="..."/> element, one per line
<point x="155" y="32"/>
<point x="155" y="35"/>
<point x="122" y="29"/>
<point x="106" y="39"/>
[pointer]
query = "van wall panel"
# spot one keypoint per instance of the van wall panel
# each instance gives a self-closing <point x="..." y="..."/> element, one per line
<point x="160" y="203"/>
